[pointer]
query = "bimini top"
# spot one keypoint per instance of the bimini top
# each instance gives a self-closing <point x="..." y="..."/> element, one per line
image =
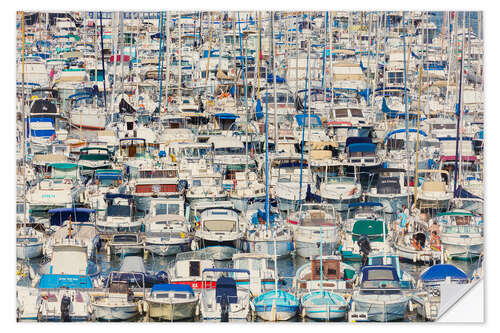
<point x="357" y="139"/>
<point x="110" y="196"/>
<point x="302" y="118"/>
<point x="172" y="287"/>
<point x="59" y="215"/>
<point x="361" y="147"/>
<point x="226" y="116"/>
<point x="441" y="271"/>
<point x="63" y="165"/>
<point x="365" y="204"/>
<point x="379" y="273"/>
<point x="403" y="130"/>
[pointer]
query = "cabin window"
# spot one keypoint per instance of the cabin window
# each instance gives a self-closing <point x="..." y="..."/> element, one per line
<point x="116" y="210"/>
<point x="180" y="295"/>
<point x="341" y="113"/>
<point x="194" y="268"/>
<point x="356" y="113"/>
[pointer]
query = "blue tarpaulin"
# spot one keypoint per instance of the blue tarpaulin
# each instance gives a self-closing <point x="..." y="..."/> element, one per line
<point x="304" y="117"/>
<point x="226" y="116"/>
<point x="441" y="271"/>
<point x="172" y="287"/>
<point x="361" y="147"/>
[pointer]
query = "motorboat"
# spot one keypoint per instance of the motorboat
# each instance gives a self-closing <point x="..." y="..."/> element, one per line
<point x="118" y="303"/>
<point x="315" y="224"/>
<point x="462" y="233"/>
<point x="119" y="215"/>
<point x="220" y="232"/>
<point x="226" y="301"/>
<point x="171" y="302"/>
<point x="379" y="294"/>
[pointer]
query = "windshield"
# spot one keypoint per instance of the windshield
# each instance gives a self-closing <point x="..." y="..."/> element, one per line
<point x="230" y="151"/>
<point x="116" y="210"/>
<point x="342" y="180"/>
<point x="162" y="209"/>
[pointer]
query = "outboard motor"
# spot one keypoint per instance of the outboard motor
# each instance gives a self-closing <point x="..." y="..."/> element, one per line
<point x="224" y="309"/>
<point x="65" y="308"/>
<point x="365" y="249"/>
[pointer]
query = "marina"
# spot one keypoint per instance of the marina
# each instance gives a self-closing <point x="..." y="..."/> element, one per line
<point x="248" y="166"/>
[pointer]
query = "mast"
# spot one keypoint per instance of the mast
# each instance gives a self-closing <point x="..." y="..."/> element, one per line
<point x="179" y="64"/>
<point x="303" y="124"/>
<point x="24" y="125"/>
<point x="274" y="83"/>
<point x="415" y="178"/>
<point x="102" y="59"/>
<point x="459" y="111"/>
<point x="160" y="60"/>
<point x="406" y="101"/>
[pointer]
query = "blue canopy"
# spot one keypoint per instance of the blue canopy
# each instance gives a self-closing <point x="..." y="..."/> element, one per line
<point x="304" y="117"/>
<point x="365" y="204"/>
<point x="226" y="116"/>
<point x="460" y="192"/>
<point x="361" y="147"/>
<point x="226" y="286"/>
<point x="357" y="139"/>
<point x="110" y="196"/>
<point x="59" y="215"/>
<point x="403" y="130"/>
<point x="172" y="287"/>
<point x="441" y="271"/>
<point x="270" y="79"/>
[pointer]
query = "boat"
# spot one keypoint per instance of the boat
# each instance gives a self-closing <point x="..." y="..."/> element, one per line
<point x="226" y="301"/>
<point x="133" y="271"/>
<point x="462" y="234"/>
<point x="188" y="268"/>
<point x="440" y="284"/>
<point x="172" y="302"/>
<point x="59" y="189"/>
<point x="66" y="283"/>
<point x="119" y="215"/>
<point x="379" y="294"/>
<point x="94" y="158"/>
<point x="118" y="302"/>
<point x="67" y="224"/>
<point x="389" y="189"/>
<point x="276" y="305"/>
<point x="166" y="230"/>
<point x="366" y="222"/>
<point x="337" y="275"/>
<point x="126" y="243"/>
<point x="260" y="238"/>
<point x="316" y="223"/>
<point x="220" y="232"/>
<point x="406" y="280"/>
<point x="324" y="305"/>
<point x="261" y="277"/>
<point x="29" y="243"/>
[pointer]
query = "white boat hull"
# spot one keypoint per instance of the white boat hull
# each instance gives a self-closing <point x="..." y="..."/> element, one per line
<point x="172" y="311"/>
<point x="115" y="312"/>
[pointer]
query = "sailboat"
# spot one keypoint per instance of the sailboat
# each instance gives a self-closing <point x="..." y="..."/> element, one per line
<point x="29" y="242"/>
<point x="276" y="304"/>
<point x="325" y="304"/>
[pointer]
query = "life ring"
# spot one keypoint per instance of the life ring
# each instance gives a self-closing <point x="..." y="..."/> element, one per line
<point x="141" y="106"/>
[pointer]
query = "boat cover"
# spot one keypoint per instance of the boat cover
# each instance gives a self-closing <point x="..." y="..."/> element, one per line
<point x="441" y="271"/>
